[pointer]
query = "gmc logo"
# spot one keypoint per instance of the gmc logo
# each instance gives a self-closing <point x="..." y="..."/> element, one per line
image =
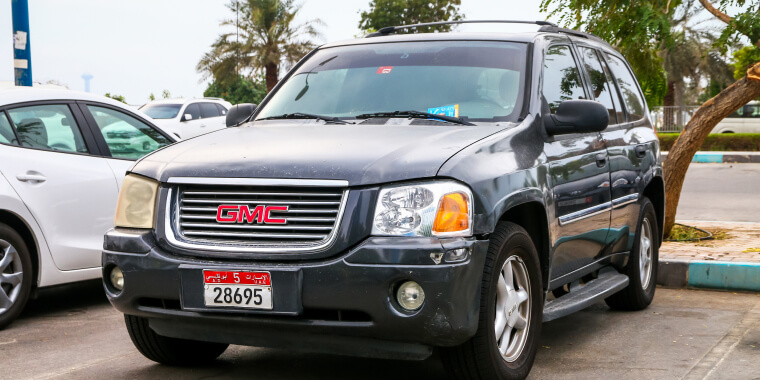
<point x="240" y="214"/>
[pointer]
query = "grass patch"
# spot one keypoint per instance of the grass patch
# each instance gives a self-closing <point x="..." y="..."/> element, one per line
<point x="686" y="233"/>
<point x="720" y="234"/>
<point x="720" y="142"/>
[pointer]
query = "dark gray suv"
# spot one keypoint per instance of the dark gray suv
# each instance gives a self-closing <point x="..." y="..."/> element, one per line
<point x="398" y="194"/>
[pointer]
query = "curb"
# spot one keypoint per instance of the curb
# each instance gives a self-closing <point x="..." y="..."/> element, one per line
<point x="724" y="275"/>
<point x="724" y="157"/>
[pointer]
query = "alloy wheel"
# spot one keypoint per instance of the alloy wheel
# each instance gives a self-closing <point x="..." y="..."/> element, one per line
<point x="11" y="276"/>
<point x="512" y="309"/>
<point x="646" y="251"/>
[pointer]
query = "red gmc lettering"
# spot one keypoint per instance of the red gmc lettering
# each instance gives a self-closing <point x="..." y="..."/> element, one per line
<point x="241" y="214"/>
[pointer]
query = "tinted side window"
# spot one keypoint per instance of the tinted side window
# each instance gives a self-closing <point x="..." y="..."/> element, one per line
<point x="209" y="110"/>
<point x="632" y="98"/>
<point x="6" y="131"/>
<point x="752" y="111"/>
<point x="49" y="127"/>
<point x="193" y="110"/>
<point x="562" y="80"/>
<point x="599" y="82"/>
<point x="738" y="113"/>
<point x="126" y="136"/>
<point x="222" y="110"/>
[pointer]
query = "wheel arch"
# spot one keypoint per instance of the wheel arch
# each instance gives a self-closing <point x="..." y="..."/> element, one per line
<point x="23" y="229"/>
<point x="655" y="191"/>
<point x="531" y="215"/>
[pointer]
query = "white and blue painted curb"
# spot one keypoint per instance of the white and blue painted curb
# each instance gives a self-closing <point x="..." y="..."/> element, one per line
<point x="724" y="275"/>
<point x="724" y="157"/>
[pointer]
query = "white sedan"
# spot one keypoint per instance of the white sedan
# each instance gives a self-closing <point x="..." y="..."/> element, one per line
<point x="63" y="155"/>
<point x="186" y="118"/>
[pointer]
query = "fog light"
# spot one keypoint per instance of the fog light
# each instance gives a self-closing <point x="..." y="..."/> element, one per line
<point x="457" y="255"/>
<point x="410" y="295"/>
<point x="117" y="278"/>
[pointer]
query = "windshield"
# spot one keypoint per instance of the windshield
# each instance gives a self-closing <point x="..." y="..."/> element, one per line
<point x="161" y="111"/>
<point x="472" y="80"/>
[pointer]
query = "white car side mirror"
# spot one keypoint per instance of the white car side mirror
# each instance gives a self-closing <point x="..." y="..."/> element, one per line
<point x="187" y="117"/>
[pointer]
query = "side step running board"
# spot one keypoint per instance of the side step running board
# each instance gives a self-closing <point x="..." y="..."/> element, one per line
<point x="608" y="283"/>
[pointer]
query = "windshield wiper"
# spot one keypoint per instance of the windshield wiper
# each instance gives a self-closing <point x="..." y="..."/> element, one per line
<point x="301" y="115"/>
<point x="414" y="114"/>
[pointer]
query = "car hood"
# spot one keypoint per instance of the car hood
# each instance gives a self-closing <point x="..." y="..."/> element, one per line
<point x="360" y="154"/>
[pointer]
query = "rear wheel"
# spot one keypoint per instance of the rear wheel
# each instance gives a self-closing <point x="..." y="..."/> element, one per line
<point x="170" y="351"/>
<point x="15" y="275"/>
<point x="505" y="343"/>
<point x="642" y="264"/>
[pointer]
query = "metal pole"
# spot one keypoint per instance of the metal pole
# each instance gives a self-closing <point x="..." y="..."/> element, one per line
<point x="22" y="53"/>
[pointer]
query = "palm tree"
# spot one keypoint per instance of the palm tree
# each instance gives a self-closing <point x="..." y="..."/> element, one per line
<point x="266" y="39"/>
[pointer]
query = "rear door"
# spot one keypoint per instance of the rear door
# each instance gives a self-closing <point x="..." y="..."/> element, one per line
<point x="212" y="117"/>
<point x="58" y="171"/>
<point x="191" y="123"/>
<point x="578" y="169"/>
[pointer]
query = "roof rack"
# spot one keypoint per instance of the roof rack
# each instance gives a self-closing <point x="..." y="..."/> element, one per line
<point x="391" y="29"/>
<point x="572" y="32"/>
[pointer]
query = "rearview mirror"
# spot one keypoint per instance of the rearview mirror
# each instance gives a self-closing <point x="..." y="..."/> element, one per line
<point x="577" y="116"/>
<point x="238" y="114"/>
<point x="187" y="117"/>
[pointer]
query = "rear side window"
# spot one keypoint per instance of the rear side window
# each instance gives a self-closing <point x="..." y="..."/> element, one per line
<point x="600" y="84"/>
<point x="126" y="136"/>
<point x="48" y="127"/>
<point x="634" y="102"/>
<point x="209" y="110"/>
<point x="222" y="110"/>
<point x="6" y="131"/>
<point x="562" y="80"/>
<point x="194" y="111"/>
<point x="752" y="110"/>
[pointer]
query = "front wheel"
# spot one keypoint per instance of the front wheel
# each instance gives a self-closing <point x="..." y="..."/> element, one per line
<point x="170" y="351"/>
<point x="15" y="275"/>
<point x="642" y="264"/>
<point x="511" y="306"/>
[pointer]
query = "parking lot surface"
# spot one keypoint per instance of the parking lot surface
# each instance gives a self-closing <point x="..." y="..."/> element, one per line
<point x="722" y="192"/>
<point x="74" y="333"/>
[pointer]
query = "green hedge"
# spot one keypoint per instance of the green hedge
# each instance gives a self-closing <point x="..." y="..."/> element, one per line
<point x="721" y="142"/>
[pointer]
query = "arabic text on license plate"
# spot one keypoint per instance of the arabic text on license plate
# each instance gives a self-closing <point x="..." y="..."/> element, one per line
<point x="250" y="290"/>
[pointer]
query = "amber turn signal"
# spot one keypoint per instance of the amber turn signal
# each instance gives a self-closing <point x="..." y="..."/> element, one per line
<point x="453" y="214"/>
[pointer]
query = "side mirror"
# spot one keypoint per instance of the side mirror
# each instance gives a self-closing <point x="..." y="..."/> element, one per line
<point x="187" y="117"/>
<point x="239" y="114"/>
<point x="577" y="116"/>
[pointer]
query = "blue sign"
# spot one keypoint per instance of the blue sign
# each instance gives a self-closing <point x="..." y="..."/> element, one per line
<point x="452" y="111"/>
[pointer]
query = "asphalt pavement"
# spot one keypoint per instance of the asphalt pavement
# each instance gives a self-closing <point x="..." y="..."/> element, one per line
<point x="721" y="192"/>
<point x="74" y="333"/>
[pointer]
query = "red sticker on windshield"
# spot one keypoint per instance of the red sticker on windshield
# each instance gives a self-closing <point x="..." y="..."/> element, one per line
<point x="384" y="69"/>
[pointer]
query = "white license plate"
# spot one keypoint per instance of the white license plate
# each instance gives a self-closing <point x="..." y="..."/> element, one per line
<point x="248" y="290"/>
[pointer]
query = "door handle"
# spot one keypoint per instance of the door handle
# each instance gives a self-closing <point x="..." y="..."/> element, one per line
<point x="31" y="178"/>
<point x="203" y="125"/>
<point x="641" y="151"/>
<point x="601" y="160"/>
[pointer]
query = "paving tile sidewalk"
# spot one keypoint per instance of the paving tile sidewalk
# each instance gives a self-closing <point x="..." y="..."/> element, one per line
<point x="732" y="263"/>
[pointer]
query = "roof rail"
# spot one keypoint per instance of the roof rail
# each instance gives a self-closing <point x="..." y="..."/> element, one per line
<point x="391" y="29"/>
<point x="572" y="32"/>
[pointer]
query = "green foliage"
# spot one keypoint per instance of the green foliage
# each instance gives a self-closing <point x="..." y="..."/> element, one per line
<point x="384" y="13"/>
<point x="744" y="58"/>
<point x="746" y="23"/>
<point x="151" y="97"/>
<point x="166" y="94"/>
<point x="117" y="98"/>
<point x="713" y="88"/>
<point x="244" y="90"/>
<point x="719" y="142"/>
<point x="635" y="28"/>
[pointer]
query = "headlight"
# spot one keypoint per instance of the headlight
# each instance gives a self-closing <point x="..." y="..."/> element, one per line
<point x="441" y="208"/>
<point x="137" y="202"/>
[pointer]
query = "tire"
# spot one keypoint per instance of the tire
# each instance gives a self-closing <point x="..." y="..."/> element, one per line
<point x="170" y="351"/>
<point x="640" y="290"/>
<point x="15" y="264"/>
<point x="480" y="357"/>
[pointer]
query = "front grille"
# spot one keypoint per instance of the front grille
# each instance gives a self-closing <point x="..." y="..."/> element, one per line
<point x="309" y="222"/>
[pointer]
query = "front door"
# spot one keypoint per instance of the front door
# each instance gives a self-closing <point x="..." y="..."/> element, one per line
<point x="71" y="193"/>
<point x="578" y="171"/>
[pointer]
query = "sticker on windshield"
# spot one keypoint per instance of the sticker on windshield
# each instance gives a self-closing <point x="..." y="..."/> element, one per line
<point x="452" y="111"/>
<point x="384" y="69"/>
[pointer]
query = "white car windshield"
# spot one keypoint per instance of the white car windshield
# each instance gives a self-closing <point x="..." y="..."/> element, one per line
<point x="161" y="111"/>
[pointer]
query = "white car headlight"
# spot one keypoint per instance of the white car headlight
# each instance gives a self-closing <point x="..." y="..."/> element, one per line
<point x="137" y="202"/>
<point x="440" y="208"/>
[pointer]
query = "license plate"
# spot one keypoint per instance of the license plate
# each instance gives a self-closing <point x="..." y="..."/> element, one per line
<point x="239" y="289"/>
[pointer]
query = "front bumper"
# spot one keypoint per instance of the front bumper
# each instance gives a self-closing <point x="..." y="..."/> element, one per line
<point x="343" y="305"/>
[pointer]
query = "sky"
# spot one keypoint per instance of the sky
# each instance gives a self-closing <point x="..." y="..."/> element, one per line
<point x="138" y="47"/>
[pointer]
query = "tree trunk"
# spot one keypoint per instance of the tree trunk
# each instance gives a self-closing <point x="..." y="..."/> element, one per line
<point x="695" y="132"/>
<point x="271" y="74"/>
<point x="668" y="108"/>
